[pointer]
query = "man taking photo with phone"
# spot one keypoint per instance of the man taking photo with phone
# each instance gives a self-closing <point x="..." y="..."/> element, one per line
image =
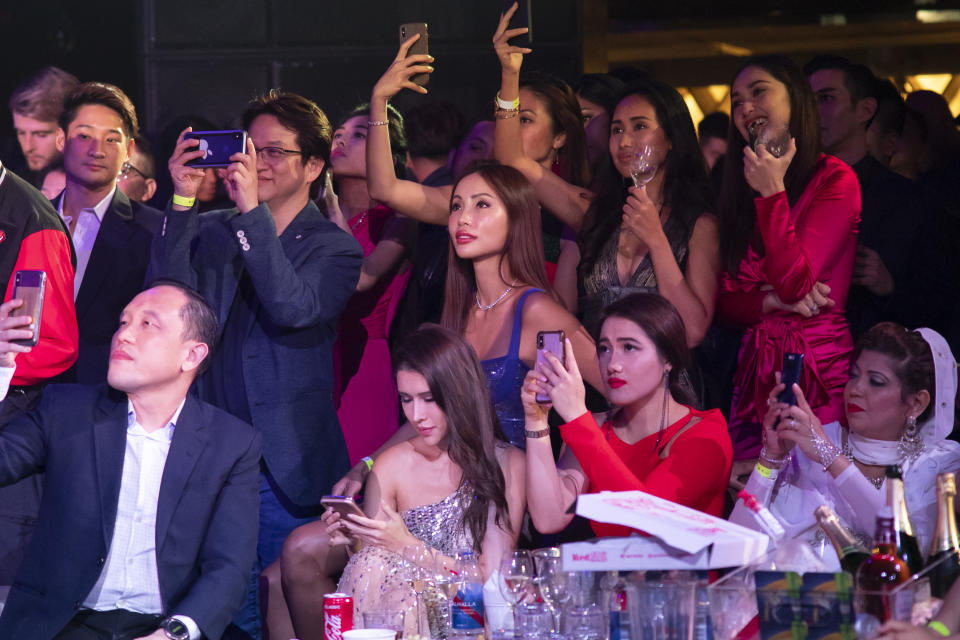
<point x="279" y="274"/>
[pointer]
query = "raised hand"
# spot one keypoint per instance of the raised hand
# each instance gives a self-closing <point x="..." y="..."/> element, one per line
<point x="640" y="216"/>
<point x="240" y="178"/>
<point x="398" y="74"/>
<point x="764" y="172"/>
<point x="511" y="57"/>
<point x="186" y="179"/>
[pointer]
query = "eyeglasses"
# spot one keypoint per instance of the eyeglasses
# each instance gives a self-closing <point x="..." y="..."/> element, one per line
<point x="274" y="154"/>
<point x="128" y="167"/>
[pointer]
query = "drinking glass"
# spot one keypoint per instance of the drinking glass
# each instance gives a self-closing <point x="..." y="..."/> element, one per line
<point x="644" y="166"/>
<point x="516" y="576"/>
<point x="775" y="136"/>
<point x="420" y="563"/>
<point x="392" y="620"/>
<point x="534" y="622"/>
<point x="585" y="623"/>
<point x="552" y="581"/>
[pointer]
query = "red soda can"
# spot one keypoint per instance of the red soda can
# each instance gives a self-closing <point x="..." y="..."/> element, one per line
<point x="337" y="615"/>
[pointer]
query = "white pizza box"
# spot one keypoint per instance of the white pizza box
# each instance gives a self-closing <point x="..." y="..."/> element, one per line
<point x="680" y="537"/>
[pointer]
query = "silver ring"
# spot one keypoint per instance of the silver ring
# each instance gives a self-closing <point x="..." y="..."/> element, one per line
<point x="793" y="423"/>
<point x="815" y="307"/>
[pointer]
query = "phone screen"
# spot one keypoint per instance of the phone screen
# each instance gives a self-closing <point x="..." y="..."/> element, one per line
<point x="29" y="287"/>
<point x="218" y="146"/>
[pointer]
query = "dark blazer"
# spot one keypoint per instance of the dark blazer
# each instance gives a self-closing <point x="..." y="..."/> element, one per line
<point x="303" y="280"/>
<point x="114" y="275"/>
<point x="206" y="515"/>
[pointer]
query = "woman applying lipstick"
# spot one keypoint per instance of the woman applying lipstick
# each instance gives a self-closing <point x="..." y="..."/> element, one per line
<point x="788" y="235"/>
<point x="651" y="441"/>
<point x="899" y="410"/>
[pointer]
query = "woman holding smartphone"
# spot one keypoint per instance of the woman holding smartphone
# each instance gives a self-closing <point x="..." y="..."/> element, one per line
<point x="788" y="236"/>
<point x="652" y="440"/>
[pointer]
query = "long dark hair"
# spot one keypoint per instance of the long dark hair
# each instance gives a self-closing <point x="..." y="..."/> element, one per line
<point x="738" y="214"/>
<point x="561" y="103"/>
<point x="459" y="388"/>
<point x="523" y="250"/>
<point x="910" y="358"/>
<point x="398" y="139"/>
<point x="686" y="186"/>
<point x="662" y="323"/>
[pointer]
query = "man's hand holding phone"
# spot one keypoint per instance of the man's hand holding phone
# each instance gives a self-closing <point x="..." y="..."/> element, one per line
<point x="186" y="179"/>
<point x="240" y="179"/>
<point x="13" y="328"/>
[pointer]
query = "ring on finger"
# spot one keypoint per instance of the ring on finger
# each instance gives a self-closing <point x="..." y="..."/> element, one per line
<point x="815" y="307"/>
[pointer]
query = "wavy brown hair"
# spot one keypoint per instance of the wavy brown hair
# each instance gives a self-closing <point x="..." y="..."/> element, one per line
<point x="738" y="215"/>
<point x="566" y="117"/>
<point x="459" y="387"/>
<point x="523" y="250"/>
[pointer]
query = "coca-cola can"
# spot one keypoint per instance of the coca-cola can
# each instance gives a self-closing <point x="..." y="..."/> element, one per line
<point x="337" y="615"/>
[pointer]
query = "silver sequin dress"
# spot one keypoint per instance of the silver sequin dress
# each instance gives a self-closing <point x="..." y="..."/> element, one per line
<point x="379" y="580"/>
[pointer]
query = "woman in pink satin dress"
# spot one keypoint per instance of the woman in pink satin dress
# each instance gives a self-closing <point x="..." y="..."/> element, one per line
<point x="788" y="241"/>
<point x="365" y="390"/>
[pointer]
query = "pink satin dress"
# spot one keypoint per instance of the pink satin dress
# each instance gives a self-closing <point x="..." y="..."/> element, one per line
<point x="813" y="241"/>
<point x="364" y="387"/>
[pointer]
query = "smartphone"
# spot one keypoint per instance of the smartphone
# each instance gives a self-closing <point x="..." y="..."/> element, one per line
<point x="218" y="146"/>
<point x="420" y="47"/>
<point x="790" y="375"/>
<point x="550" y="342"/>
<point x="343" y="505"/>
<point x="29" y="287"/>
<point x="521" y="18"/>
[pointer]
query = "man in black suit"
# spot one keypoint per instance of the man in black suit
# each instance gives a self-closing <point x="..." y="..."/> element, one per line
<point x="278" y="273"/>
<point x="148" y="521"/>
<point x="111" y="235"/>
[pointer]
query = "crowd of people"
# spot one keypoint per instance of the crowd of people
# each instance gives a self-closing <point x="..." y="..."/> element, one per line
<point x="357" y="307"/>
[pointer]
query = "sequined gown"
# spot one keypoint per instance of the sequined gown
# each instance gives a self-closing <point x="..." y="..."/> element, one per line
<point x="378" y="579"/>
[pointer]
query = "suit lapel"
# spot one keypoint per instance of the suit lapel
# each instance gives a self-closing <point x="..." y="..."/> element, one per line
<point x="110" y="443"/>
<point x="185" y="448"/>
<point x="114" y="234"/>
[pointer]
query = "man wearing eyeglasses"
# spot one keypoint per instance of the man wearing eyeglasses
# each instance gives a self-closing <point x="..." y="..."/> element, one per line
<point x="111" y="235"/>
<point x="279" y="273"/>
<point x="137" y="174"/>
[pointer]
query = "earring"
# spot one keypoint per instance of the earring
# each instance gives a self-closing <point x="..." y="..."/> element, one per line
<point x="911" y="444"/>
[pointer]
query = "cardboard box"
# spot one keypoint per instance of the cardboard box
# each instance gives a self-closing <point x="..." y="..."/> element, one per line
<point x="681" y="537"/>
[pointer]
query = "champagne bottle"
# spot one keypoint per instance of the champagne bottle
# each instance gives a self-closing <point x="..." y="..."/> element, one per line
<point x="882" y="571"/>
<point x="907" y="547"/>
<point x="945" y="543"/>
<point x="851" y="553"/>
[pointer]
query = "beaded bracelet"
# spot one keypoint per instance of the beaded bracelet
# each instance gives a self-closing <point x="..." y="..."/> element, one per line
<point x="766" y="456"/>
<point x="377" y="123"/>
<point x="505" y="114"/>
<point x="826" y="450"/>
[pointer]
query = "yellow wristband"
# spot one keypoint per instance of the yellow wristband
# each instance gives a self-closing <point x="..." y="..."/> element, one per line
<point x="766" y="472"/>
<point x="939" y="627"/>
<point x="180" y="201"/>
<point x="367" y="460"/>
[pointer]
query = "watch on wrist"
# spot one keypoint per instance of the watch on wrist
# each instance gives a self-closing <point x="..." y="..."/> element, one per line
<point x="175" y="629"/>
<point x="542" y="433"/>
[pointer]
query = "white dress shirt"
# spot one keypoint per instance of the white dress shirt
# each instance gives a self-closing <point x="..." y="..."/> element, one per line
<point x="129" y="579"/>
<point x="85" y="233"/>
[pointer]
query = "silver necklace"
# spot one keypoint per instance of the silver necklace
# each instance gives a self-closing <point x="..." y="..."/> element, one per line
<point x="848" y="454"/>
<point x="487" y="307"/>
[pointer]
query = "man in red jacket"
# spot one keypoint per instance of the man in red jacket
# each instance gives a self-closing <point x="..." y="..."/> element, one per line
<point x="32" y="236"/>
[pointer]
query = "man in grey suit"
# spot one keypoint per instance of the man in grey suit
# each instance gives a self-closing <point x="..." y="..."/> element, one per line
<point x="148" y="524"/>
<point x="278" y="273"/>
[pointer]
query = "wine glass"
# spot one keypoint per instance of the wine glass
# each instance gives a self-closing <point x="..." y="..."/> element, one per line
<point x="643" y="167"/>
<point x="552" y="581"/>
<point x="775" y="136"/>
<point x="420" y="563"/>
<point x="516" y="575"/>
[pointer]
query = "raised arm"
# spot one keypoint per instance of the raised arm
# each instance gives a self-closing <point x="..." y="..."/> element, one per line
<point x="566" y="201"/>
<point x="550" y="490"/>
<point x="427" y="204"/>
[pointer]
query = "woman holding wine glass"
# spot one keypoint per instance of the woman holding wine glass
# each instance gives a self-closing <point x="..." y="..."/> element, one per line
<point x="788" y="242"/>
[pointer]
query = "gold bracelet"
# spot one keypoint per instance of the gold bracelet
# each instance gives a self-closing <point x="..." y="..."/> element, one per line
<point x="377" y="123"/>
<point x="505" y="114"/>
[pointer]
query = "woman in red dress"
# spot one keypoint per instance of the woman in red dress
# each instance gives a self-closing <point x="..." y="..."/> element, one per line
<point x="651" y="441"/>
<point x="788" y="233"/>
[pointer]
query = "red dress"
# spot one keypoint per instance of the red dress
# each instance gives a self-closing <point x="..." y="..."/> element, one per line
<point x="813" y="241"/>
<point x="694" y="472"/>
<point x="364" y="387"/>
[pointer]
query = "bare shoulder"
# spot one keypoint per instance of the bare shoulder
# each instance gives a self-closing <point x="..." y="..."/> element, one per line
<point x="396" y="459"/>
<point x="541" y="308"/>
<point x="706" y="226"/>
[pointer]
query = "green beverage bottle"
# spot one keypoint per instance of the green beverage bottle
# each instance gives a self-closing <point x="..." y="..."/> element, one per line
<point x="944" y="543"/>
<point x="907" y="546"/>
<point x="849" y="550"/>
